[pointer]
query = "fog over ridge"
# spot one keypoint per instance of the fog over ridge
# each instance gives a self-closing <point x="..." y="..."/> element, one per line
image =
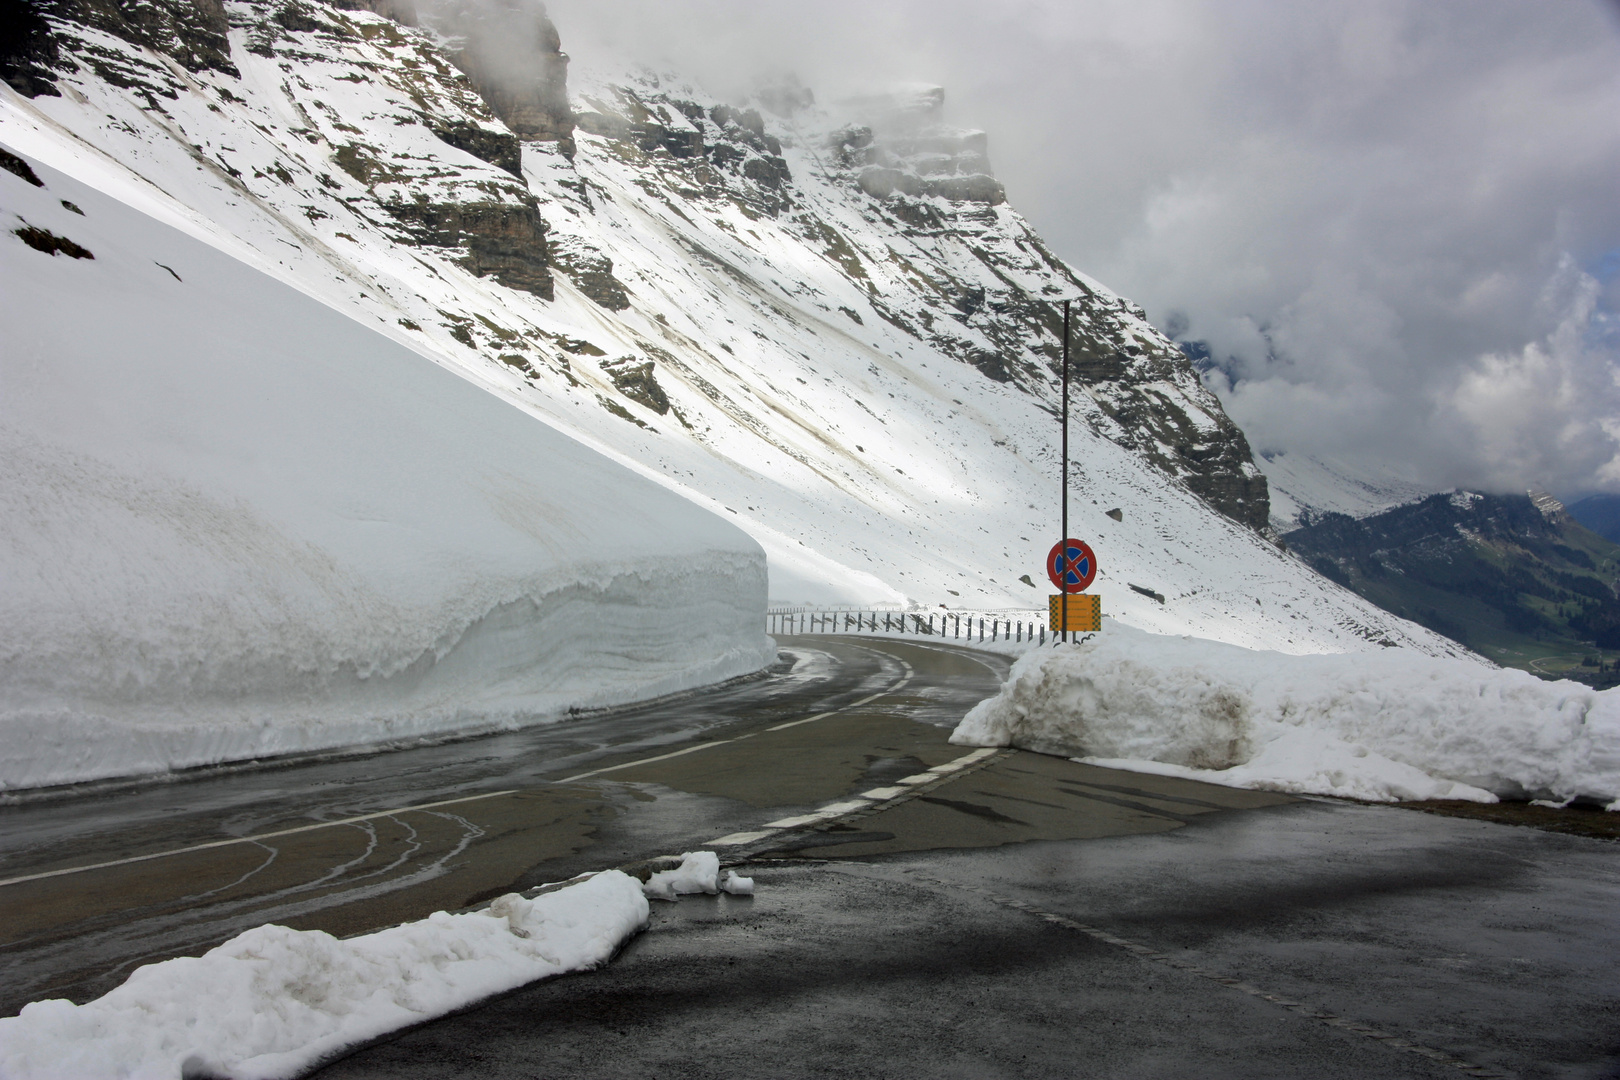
<point x="1395" y="223"/>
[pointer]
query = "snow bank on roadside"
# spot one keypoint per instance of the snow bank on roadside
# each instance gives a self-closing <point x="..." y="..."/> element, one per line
<point x="1387" y="727"/>
<point x="274" y="1002"/>
<point x="236" y="523"/>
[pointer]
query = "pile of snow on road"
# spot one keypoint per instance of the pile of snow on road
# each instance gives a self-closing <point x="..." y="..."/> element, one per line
<point x="1387" y="727"/>
<point x="274" y="1002"/>
<point x="698" y="872"/>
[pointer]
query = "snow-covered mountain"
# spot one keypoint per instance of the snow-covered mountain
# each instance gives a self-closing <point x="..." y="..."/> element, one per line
<point x="1304" y="488"/>
<point x="825" y="324"/>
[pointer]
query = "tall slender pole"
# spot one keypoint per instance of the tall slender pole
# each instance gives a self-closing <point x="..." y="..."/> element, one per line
<point x="1063" y="557"/>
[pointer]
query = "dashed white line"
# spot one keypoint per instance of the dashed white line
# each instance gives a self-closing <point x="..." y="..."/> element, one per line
<point x="865" y="801"/>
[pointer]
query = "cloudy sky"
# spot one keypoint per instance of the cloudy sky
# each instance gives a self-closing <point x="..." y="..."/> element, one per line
<point x="1398" y="220"/>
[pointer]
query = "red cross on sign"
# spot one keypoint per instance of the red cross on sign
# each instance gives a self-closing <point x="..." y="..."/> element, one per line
<point x="1071" y="564"/>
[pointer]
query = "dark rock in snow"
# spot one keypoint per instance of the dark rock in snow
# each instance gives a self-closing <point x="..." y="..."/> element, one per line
<point x="14" y="164"/>
<point x="401" y="11"/>
<point x="591" y="272"/>
<point x="51" y="244"/>
<point x="503" y="240"/>
<point x="499" y="148"/>
<point x="635" y="381"/>
<point x="29" y="54"/>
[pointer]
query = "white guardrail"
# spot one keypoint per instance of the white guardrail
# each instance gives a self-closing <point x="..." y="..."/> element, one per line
<point x="1016" y="626"/>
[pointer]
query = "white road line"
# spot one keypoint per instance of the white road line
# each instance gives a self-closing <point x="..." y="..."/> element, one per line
<point x="794" y="822"/>
<point x="839" y="809"/>
<point x="806" y="720"/>
<point x="778" y="727"/>
<point x="449" y="802"/>
<point x="255" y="838"/>
<point x="867" y="799"/>
<point x="644" y="761"/>
<point x="854" y="704"/>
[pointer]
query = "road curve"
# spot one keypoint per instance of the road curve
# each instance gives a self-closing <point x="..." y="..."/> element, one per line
<point x="91" y="887"/>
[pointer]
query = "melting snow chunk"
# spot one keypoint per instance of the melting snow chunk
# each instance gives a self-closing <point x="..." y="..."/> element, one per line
<point x="699" y="872"/>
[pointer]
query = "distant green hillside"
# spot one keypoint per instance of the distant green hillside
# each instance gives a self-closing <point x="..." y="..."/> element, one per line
<point x="1528" y="589"/>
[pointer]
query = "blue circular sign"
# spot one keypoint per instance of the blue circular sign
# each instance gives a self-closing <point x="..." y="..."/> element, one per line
<point x="1071" y="564"/>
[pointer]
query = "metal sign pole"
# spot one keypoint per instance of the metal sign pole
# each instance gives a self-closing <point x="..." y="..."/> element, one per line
<point x="1063" y="537"/>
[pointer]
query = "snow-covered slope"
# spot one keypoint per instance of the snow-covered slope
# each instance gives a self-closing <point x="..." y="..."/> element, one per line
<point x="235" y="522"/>
<point x="1304" y="488"/>
<point x="832" y="329"/>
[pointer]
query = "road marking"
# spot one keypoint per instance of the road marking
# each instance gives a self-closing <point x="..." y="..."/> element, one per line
<point x="253" y="839"/>
<point x="855" y="704"/>
<point x="904" y="679"/>
<point x="965" y="760"/>
<point x="644" y="761"/>
<point x="874" y="800"/>
<point x="808" y="719"/>
<point x="256" y="837"/>
<point x="794" y="822"/>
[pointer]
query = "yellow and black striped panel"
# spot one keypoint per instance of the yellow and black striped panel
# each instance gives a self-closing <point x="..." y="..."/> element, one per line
<point x="1084" y="612"/>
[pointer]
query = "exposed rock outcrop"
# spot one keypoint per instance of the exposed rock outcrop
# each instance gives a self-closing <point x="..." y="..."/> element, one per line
<point x="513" y="55"/>
<point x="934" y="181"/>
<point x="469" y="117"/>
<point x="192" y="32"/>
<point x="590" y="271"/>
<point x="505" y="241"/>
<point x="634" y="379"/>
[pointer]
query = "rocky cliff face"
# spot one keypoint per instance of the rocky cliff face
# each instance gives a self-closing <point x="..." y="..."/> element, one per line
<point x="921" y="179"/>
<point x="513" y="55"/>
<point x="491" y="223"/>
<point x="816" y="317"/>
<point x="973" y="282"/>
<point x="930" y="180"/>
<point x="191" y="32"/>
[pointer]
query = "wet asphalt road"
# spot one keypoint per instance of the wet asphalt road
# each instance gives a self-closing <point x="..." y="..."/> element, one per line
<point x="1302" y="939"/>
<point x="517" y="820"/>
<point x="1029" y="916"/>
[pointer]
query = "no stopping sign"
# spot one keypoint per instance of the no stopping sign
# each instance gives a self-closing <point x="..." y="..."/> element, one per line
<point x="1071" y="564"/>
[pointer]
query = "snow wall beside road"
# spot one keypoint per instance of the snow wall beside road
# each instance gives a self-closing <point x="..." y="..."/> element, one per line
<point x="235" y="523"/>
<point x="1385" y="726"/>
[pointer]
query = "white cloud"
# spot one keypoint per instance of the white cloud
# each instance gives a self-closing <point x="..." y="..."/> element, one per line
<point x="1549" y="411"/>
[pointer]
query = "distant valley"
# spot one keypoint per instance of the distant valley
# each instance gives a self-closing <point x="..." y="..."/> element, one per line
<point x="1515" y="577"/>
